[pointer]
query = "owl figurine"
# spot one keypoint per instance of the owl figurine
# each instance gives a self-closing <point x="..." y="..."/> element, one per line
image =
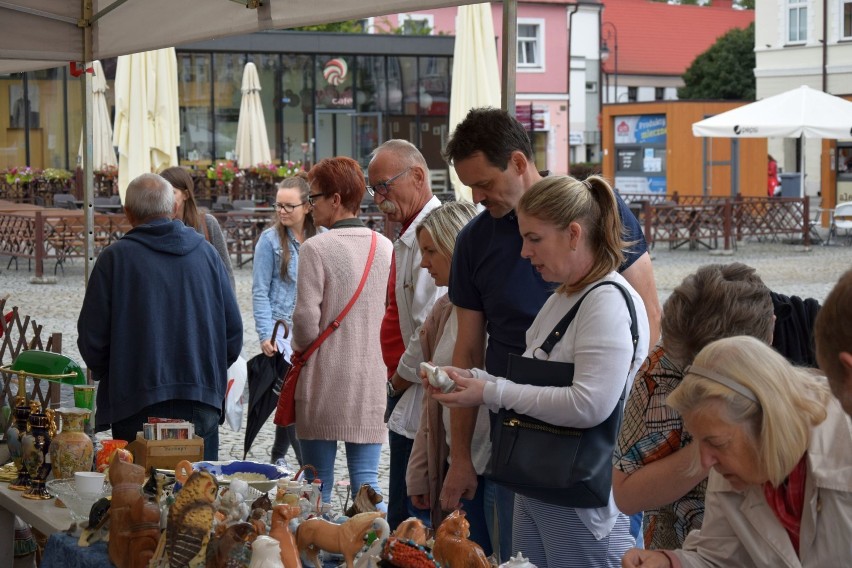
<point x="191" y="520"/>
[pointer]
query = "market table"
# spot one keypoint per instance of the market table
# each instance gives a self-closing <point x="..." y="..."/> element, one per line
<point x="44" y="516"/>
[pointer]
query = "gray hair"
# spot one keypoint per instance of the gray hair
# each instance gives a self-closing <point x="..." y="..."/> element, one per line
<point x="406" y="152"/>
<point x="149" y="196"/>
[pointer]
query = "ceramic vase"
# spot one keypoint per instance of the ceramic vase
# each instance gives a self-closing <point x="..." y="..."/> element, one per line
<point x="108" y="447"/>
<point x="13" y="436"/>
<point x="71" y="450"/>
<point x="35" y="446"/>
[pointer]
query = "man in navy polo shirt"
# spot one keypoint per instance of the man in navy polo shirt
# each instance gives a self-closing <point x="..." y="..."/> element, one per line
<point x="498" y="292"/>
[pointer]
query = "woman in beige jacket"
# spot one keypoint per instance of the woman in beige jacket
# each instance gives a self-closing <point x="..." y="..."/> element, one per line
<point x="779" y="445"/>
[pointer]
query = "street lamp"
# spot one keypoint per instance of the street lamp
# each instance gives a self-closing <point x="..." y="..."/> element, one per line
<point x="611" y="34"/>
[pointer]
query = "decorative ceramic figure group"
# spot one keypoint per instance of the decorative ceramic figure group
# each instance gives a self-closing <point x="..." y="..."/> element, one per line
<point x="371" y="554"/>
<point x="34" y="447"/>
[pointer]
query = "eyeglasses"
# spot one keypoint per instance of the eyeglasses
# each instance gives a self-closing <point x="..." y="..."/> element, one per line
<point x="314" y="196"/>
<point x="382" y="188"/>
<point x="287" y="207"/>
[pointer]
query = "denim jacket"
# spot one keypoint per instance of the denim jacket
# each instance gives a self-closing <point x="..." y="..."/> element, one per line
<point x="272" y="297"/>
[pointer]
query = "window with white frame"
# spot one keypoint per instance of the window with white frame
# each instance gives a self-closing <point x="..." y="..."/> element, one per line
<point x="846" y="19"/>
<point x="416" y="24"/>
<point x="530" y="43"/>
<point x="797" y="21"/>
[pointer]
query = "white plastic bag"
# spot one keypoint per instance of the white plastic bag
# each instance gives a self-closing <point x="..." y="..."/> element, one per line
<point x="234" y="395"/>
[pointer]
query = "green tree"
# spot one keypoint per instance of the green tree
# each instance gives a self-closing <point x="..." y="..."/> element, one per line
<point x="725" y="71"/>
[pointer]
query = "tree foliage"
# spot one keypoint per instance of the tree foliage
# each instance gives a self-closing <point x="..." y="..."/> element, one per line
<point x="725" y="71"/>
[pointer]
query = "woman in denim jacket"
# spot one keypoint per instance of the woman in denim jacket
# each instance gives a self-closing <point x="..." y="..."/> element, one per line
<point x="276" y="262"/>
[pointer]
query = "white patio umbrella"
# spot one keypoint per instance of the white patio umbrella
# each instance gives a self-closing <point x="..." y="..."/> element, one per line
<point x="803" y="112"/>
<point x="476" y="77"/>
<point x="103" y="153"/>
<point x="252" y="142"/>
<point x="147" y="122"/>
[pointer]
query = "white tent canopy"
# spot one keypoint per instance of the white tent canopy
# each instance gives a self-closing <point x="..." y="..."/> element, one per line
<point x="803" y="112"/>
<point x="252" y="142"/>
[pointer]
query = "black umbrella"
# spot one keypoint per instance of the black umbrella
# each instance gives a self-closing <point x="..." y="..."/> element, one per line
<point x="265" y="375"/>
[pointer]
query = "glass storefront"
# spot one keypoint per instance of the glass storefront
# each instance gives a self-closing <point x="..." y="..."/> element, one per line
<point x="315" y="105"/>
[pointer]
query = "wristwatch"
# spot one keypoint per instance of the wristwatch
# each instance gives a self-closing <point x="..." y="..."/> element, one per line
<point x="392" y="392"/>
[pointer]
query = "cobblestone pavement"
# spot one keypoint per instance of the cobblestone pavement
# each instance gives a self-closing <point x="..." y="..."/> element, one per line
<point x="786" y="268"/>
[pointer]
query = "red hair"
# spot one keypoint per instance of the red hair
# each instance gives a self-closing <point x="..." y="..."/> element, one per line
<point x="339" y="175"/>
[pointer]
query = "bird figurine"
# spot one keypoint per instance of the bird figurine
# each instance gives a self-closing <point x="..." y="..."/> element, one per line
<point x="191" y="520"/>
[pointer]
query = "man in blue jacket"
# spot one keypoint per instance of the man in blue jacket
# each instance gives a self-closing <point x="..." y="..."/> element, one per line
<point x="160" y="324"/>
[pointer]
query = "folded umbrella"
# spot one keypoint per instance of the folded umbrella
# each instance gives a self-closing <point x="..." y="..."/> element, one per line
<point x="265" y="375"/>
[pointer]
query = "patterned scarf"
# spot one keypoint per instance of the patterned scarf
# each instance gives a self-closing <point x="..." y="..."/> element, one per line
<point x="787" y="500"/>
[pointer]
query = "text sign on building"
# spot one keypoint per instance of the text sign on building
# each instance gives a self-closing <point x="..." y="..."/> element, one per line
<point x="646" y="129"/>
<point x="533" y="116"/>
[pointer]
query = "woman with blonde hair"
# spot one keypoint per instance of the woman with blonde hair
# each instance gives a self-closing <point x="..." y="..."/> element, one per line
<point x="275" y="269"/>
<point x="778" y="445"/>
<point x="204" y="223"/>
<point x="572" y="235"/>
<point x="427" y="465"/>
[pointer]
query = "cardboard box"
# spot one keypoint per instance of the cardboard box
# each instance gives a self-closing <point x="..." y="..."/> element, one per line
<point x="165" y="454"/>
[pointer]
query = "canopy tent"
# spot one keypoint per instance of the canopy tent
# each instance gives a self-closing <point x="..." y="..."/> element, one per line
<point x="40" y="34"/>
<point x="803" y="112"/>
<point x="476" y="77"/>
<point x="252" y="142"/>
<point x="147" y="120"/>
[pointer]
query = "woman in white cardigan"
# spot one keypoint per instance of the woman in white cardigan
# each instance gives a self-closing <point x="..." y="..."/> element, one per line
<point x="340" y="395"/>
<point x="779" y="446"/>
<point x="572" y="234"/>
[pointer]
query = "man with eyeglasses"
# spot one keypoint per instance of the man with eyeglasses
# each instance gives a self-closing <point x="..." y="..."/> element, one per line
<point x="400" y="186"/>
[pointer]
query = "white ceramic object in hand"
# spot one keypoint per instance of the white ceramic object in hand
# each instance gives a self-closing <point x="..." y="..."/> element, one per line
<point x="438" y="378"/>
<point x="518" y="562"/>
<point x="266" y="553"/>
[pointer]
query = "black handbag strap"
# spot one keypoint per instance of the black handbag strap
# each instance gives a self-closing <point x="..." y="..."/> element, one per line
<point x="563" y="324"/>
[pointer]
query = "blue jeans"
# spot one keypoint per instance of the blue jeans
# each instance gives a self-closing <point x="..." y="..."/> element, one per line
<point x="636" y="529"/>
<point x="285" y="436"/>
<point x="499" y="504"/>
<point x="474" y="510"/>
<point x="361" y="459"/>
<point x="399" y="503"/>
<point x="204" y="418"/>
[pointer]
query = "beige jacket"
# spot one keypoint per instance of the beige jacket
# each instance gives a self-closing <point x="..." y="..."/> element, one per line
<point x="741" y="530"/>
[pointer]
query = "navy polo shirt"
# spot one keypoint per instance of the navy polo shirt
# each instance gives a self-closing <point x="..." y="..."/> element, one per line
<point x="488" y="275"/>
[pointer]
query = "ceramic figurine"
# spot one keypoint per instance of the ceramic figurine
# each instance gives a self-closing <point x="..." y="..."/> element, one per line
<point x="262" y="502"/>
<point x="258" y="520"/>
<point x="414" y="530"/>
<point x="71" y="450"/>
<point x="365" y="501"/>
<point x="282" y="516"/>
<point x="518" y="562"/>
<point x="191" y="520"/>
<point x="233" y="549"/>
<point x="35" y="446"/>
<point x="407" y="554"/>
<point x="134" y="523"/>
<point x="453" y="548"/>
<point x="371" y="554"/>
<point x="438" y="378"/>
<point x="265" y="553"/>
<point x="346" y="538"/>
<point x="104" y="455"/>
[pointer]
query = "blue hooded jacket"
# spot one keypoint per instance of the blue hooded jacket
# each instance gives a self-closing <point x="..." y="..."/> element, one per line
<point x="159" y="321"/>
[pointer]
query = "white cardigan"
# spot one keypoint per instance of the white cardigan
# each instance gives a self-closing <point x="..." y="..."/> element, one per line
<point x="599" y="344"/>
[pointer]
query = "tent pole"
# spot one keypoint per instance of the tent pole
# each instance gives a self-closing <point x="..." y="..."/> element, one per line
<point x="510" y="54"/>
<point x="802" y="168"/>
<point x="88" y="147"/>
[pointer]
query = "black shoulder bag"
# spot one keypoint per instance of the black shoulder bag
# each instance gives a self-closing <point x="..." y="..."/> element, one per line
<point x="564" y="466"/>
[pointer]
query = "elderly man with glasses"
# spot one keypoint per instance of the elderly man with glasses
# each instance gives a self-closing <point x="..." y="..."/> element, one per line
<point x="399" y="183"/>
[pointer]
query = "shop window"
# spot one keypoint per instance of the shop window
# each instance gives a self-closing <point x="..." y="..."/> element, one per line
<point x="416" y="24"/>
<point x="530" y="44"/>
<point x="797" y="21"/>
<point x="846" y="27"/>
<point x="632" y="94"/>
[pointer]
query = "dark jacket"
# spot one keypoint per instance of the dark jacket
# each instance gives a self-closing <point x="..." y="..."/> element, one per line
<point x="159" y="321"/>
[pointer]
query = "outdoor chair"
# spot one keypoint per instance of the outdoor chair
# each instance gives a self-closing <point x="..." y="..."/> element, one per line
<point x="841" y="219"/>
<point x="102" y="204"/>
<point x="243" y="204"/>
<point x="223" y="203"/>
<point x="64" y="201"/>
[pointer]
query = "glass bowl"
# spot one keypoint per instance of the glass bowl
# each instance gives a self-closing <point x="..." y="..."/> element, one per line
<point x="78" y="505"/>
<point x="222" y="470"/>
